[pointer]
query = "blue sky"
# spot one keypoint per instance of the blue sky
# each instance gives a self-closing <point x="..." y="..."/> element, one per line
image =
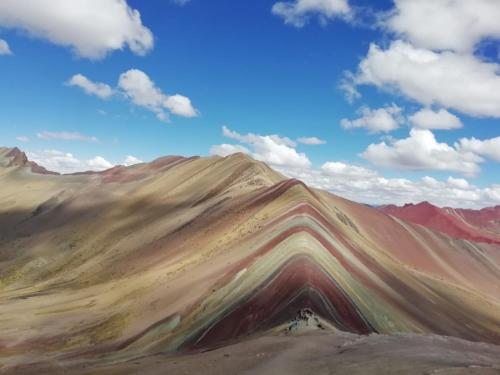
<point x="264" y="68"/>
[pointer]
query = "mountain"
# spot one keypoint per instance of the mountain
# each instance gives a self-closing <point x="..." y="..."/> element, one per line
<point x="190" y="254"/>
<point x="13" y="157"/>
<point x="474" y="225"/>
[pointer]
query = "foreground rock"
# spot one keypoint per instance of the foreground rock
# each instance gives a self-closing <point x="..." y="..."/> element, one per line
<point x="309" y="352"/>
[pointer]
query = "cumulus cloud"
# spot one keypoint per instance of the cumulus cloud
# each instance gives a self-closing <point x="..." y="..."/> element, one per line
<point x="340" y="169"/>
<point x="272" y="149"/>
<point x="99" y="164"/>
<point x="66" y="136"/>
<point x="421" y="151"/>
<point x="459" y="183"/>
<point x="434" y="60"/>
<point x="252" y="138"/>
<point x="447" y="79"/>
<point x="362" y="184"/>
<point x="445" y="24"/>
<point x="101" y="90"/>
<point x="4" y="48"/>
<point x="298" y="12"/>
<point x="429" y="119"/>
<point x="92" y="28"/>
<point x="180" y="105"/>
<point x="136" y="86"/>
<point x="131" y="160"/>
<point x="226" y="149"/>
<point x="348" y="85"/>
<point x="489" y="148"/>
<point x="311" y="141"/>
<point x="57" y="161"/>
<point x="180" y="2"/>
<point x="142" y="91"/>
<point x="65" y="162"/>
<point x="377" y="120"/>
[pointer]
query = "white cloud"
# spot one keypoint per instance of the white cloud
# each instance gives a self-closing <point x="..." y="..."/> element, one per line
<point x="285" y="141"/>
<point x="251" y="138"/>
<point x="459" y="183"/>
<point x="339" y="169"/>
<point x="65" y="162"/>
<point x="4" y="48"/>
<point x="429" y="119"/>
<point x="363" y="185"/>
<point x="447" y="79"/>
<point x="136" y="86"/>
<point x="430" y="182"/>
<point x="101" y="90"/>
<point x="131" y="160"/>
<point x="142" y="91"/>
<point x="56" y="161"/>
<point x="493" y="194"/>
<point x="311" y="141"/>
<point x="377" y="120"/>
<point x="489" y="148"/>
<point x="457" y="25"/>
<point x="420" y="151"/>
<point x="298" y="12"/>
<point x="92" y="28"/>
<point x="99" y="164"/>
<point x="181" y="106"/>
<point x="227" y="149"/>
<point x="66" y="136"/>
<point x="348" y="85"/>
<point x="272" y="149"/>
<point x="23" y="138"/>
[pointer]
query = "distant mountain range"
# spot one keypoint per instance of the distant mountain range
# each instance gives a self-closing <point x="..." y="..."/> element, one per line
<point x="474" y="225"/>
<point x="185" y="254"/>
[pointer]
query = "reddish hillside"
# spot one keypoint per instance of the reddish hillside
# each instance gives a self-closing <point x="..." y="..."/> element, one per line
<point x="475" y="225"/>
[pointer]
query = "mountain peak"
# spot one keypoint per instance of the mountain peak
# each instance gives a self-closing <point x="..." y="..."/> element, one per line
<point x="241" y="156"/>
<point x="425" y="204"/>
<point x="17" y="157"/>
<point x="14" y="157"/>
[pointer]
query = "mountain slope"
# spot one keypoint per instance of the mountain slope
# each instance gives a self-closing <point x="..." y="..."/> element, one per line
<point x="192" y="253"/>
<point x="475" y="225"/>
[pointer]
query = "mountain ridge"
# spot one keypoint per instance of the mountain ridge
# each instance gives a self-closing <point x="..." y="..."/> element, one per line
<point x="194" y="253"/>
<point x="16" y="154"/>
<point x="476" y="225"/>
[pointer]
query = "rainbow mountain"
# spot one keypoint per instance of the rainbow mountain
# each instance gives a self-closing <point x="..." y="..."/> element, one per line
<point x="190" y="254"/>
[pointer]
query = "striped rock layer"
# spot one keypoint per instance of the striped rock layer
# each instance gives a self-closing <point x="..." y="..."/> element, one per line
<point x="194" y="253"/>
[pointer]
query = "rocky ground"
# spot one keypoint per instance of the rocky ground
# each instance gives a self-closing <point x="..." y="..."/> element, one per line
<point x="307" y="352"/>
